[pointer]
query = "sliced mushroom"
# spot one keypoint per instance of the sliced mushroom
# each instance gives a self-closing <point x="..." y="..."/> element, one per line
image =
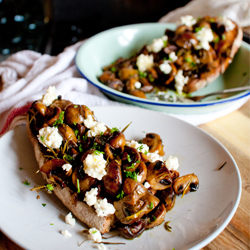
<point x="67" y="133"/>
<point x="146" y="86"/>
<point x="55" y="117"/>
<point x="62" y="104"/>
<point x="168" y="198"/>
<point x="40" y="107"/>
<point x="142" y="172"/>
<point x="117" y="140"/>
<point x="112" y="181"/>
<point x="116" y="84"/>
<point x="158" y="176"/>
<point x="127" y="73"/>
<point x="133" y="191"/>
<point x="185" y="184"/>
<point x="158" y="217"/>
<point x="138" y="93"/>
<point x="154" y="143"/>
<point x="107" y="76"/>
<point x="183" y="28"/>
<point x="131" y="159"/>
<point x="186" y="40"/>
<point x="134" y="230"/>
<point x="73" y="115"/>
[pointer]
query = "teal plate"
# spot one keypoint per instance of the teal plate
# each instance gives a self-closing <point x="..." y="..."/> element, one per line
<point x="107" y="46"/>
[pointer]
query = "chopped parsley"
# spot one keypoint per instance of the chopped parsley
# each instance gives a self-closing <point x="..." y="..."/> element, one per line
<point x="96" y="146"/>
<point x="128" y="158"/>
<point x="84" y="137"/>
<point x="216" y="40"/>
<point x="20" y="168"/>
<point x="50" y="187"/>
<point x="150" y="77"/>
<point x="113" y="69"/>
<point x="140" y="148"/>
<point x="80" y="148"/>
<point x="60" y="119"/>
<point x="132" y="175"/>
<point x="188" y="59"/>
<point x="67" y="157"/>
<point x="114" y="129"/>
<point x="78" y="186"/>
<point x="142" y="74"/>
<point x="42" y="138"/>
<point x="197" y="29"/>
<point x="52" y="224"/>
<point x="75" y="106"/>
<point x="120" y="195"/>
<point x="26" y="182"/>
<point x="76" y="132"/>
<point x="151" y="206"/>
<point x="133" y="165"/>
<point x="223" y="37"/>
<point x="97" y="152"/>
<point x="44" y="204"/>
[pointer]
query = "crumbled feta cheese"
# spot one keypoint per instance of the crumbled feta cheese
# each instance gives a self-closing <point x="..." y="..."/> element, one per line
<point x="144" y="62"/>
<point x="180" y="81"/>
<point x="147" y="185"/>
<point x="204" y="36"/>
<point x="137" y="85"/>
<point x="66" y="167"/>
<point x="95" y="235"/>
<point x="103" y="208"/>
<point x="139" y="146"/>
<point x="152" y="157"/>
<point x="70" y="220"/>
<point x="94" y="165"/>
<point x="96" y="128"/>
<point x="188" y="20"/>
<point x="49" y="136"/>
<point x="157" y="44"/>
<point x="66" y="233"/>
<point x="139" y="177"/>
<point x="172" y="56"/>
<point x="229" y="25"/>
<point x="90" y="196"/>
<point x="101" y="246"/>
<point x="165" y="67"/>
<point x="172" y="163"/>
<point x="49" y="96"/>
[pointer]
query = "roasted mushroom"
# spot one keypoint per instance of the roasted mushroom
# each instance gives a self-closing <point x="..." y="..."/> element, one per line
<point x="154" y="143"/>
<point x="157" y="217"/>
<point x="134" y="230"/>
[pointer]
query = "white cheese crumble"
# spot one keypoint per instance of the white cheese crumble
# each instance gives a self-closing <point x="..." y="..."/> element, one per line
<point x="66" y="167"/>
<point x="90" y="196"/>
<point x="103" y="208"/>
<point x="165" y="67"/>
<point x="152" y="157"/>
<point x="204" y="36"/>
<point x="137" y="85"/>
<point x="188" y="20"/>
<point x="229" y="25"/>
<point x="94" y="165"/>
<point x="157" y="44"/>
<point x="147" y="185"/>
<point x="139" y="177"/>
<point x="96" y="128"/>
<point x="172" y="163"/>
<point x="180" y="81"/>
<point x="70" y="220"/>
<point x="172" y="56"/>
<point x="95" y="235"/>
<point x="66" y="233"/>
<point x="144" y="62"/>
<point x="49" y="136"/>
<point x="49" y="96"/>
<point x="101" y="246"/>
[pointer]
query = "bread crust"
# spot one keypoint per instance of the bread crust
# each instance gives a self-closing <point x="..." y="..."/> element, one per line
<point x="201" y="83"/>
<point x="80" y="209"/>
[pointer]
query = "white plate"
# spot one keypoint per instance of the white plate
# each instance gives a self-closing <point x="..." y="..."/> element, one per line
<point x="196" y="219"/>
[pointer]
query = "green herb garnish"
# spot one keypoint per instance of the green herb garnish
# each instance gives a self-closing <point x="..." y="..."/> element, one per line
<point x="120" y="195"/>
<point x="75" y="106"/>
<point x="78" y="186"/>
<point x="197" y="29"/>
<point x="67" y="157"/>
<point x="80" y="148"/>
<point x="223" y="37"/>
<point x="114" y="129"/>
<point x="85" y="137"/>
<point x="50" y="187"/>
<point x="20" y="168"/>
<point x="26" y="182"/>
<point x="188" y="59"/>
<point x="44" y="204"/>
<point x="128" y="158"/>
<point x="42" y="138"/>
<point x="142" y="74"/>
<point x="151" y="206"/>
<point x="132" y="175"/>
<point x="216" y="40"/>
<point x="76" y="132"/>
<point x="60" y="119"/>
<point x="113" y="69"/>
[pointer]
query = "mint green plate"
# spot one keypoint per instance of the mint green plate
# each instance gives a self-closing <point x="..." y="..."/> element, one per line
<point x="107" y="46"/>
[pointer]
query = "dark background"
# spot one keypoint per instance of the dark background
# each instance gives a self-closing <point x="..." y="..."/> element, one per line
<point x="48" y="26"/>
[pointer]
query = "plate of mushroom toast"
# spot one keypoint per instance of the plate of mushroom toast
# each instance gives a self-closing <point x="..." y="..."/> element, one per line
<point x="158" y="180"/>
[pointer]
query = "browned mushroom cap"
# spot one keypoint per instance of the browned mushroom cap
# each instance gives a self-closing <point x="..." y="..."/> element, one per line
<point x="186" y="40"/>
<point x="56" y="115"/>
<point x="158" y="176"/>
<point x="106" y="77"/>
<point x="108" y="152"/>
<point x="134" y="230"/>
<point x="138" y="93"/>
<point x="133" y="190"/>
<point x="73" y="114"/>
<point x="60" y="103"/>
<point x="116" y="84"/>
<point x="205" y="56"/>
<point x="112" y="181"/>
<point x="168" y="198"/>
<point x="67" y="133"/>
<point x="183" y="28"/>
<point x="131" y="84"/>
<point x="185" y="184"/>
<point x="117" y="140"/>
<point x="142" y="172"/>
<point x="146" y="86"/>
<point x="127" y="73"/>
<point x="158" y="217"/>
<point x="131" y="159"/>
<point x="54" y="167"/>
<point x="85" y="182"/>
<point x="154" y="143"/>
<point x="40" y="107"/>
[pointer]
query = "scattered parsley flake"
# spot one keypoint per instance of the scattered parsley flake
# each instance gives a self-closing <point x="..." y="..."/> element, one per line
<point x="76" y="132"/>
<point x="132" y="175"/>
<point x="42" y="138"/>
<point x="113" y="69"/>
<point x="98" y="152"/>
<point x="52" y="224"/>
<point x="197" y="29"/>
<point x="44" y="204"/>
<point x="120" y="195"/>
<point x="84" y="137"/>
<point x="114" y="129"/>
<point x="223" y="37"/>
<point x="60" y="119"/>
<point x="188" y="59"/>
<point x="128" y="157"/>
<point x="50" y="187"/>
<point x="142" y="74"/>
<point x="80" y="148"/>
<point x="67" y="157"/>
<point x="75" y="106"/>
<point x="26" y="182"/>
<point x="150" y="77"/>
<point x="20" y="168"/>
<point x="216" y="40"/>
<point x="151" y="205"/>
